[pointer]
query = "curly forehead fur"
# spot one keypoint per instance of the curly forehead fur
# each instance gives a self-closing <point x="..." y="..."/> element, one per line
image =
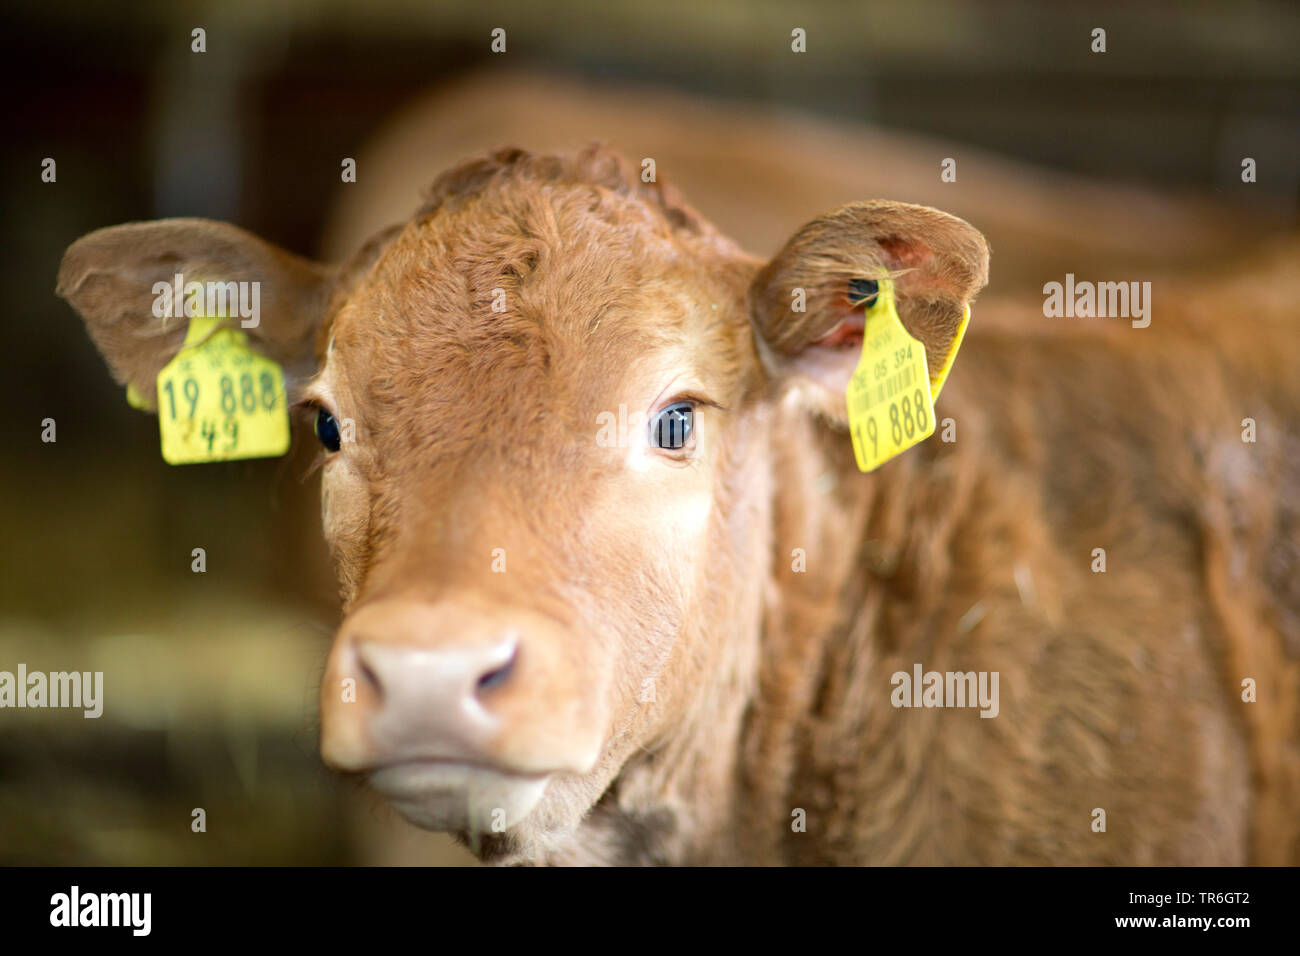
<point x="525" y="281"/>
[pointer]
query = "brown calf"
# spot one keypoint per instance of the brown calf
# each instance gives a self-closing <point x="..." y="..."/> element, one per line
<point x="575" y="642"/>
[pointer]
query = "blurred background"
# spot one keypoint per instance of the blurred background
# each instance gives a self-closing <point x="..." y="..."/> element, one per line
<point x="1068" y="160"/>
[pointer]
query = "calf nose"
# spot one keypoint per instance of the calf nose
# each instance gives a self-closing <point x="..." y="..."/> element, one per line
<point x="412" y="701"/>
<point x="430" y="702"/>
<point x="463" y="682"/>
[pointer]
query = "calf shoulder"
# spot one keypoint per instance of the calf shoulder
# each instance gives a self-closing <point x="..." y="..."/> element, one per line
<point x="1121" y="690"/>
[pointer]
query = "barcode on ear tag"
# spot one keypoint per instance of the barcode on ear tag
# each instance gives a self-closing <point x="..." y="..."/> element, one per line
<point x="889" y="401"/>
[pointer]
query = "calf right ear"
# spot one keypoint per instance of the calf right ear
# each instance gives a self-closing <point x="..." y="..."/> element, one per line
<point x="109" y="276"/>
<point x="807" y="315"/>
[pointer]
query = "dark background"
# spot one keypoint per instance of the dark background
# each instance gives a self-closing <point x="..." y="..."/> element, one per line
<point x="211" y="678"/>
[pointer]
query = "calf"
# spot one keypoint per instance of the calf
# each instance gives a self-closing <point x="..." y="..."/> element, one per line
<point x="615" y="590"/>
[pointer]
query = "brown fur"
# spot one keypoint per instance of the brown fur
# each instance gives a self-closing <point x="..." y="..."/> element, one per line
<point x="1121" y="691"/>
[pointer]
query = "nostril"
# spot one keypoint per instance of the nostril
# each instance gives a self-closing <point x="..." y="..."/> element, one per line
<point x="368" y="674"/>
<point x="499" y="675"/>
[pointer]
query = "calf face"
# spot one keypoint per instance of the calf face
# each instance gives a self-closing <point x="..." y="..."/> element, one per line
<point x="547" y="408"/>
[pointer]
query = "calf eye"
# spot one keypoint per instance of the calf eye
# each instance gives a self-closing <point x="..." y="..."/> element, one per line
<point x="327" y="430"/>
<point x="672" y="426"/>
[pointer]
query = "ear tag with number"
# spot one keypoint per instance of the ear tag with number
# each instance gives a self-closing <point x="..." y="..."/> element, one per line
<point x="890" y="396"/>
<point x="218" y="400"/>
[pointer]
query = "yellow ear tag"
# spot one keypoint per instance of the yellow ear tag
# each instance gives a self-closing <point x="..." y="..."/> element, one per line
<point x="941" y="376"/>
<point x="136" y="400"/>
<point x="218" y="400"/>
<point x="890" y="396"/>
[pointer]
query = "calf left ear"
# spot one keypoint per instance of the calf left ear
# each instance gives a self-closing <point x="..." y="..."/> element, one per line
<point x="109" y="277"/>
<point x="809" y="325"/>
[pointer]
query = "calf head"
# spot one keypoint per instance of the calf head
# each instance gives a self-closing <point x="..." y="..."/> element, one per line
<point x="547" y="407"/>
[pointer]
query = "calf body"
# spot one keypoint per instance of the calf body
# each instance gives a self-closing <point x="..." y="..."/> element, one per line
<point x="1120" y="689"/>
<point x="572" y="649"/>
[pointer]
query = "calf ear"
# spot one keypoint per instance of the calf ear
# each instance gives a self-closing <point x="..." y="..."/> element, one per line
<point x="108" y="276"/>
<point x="811" y="333"/>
